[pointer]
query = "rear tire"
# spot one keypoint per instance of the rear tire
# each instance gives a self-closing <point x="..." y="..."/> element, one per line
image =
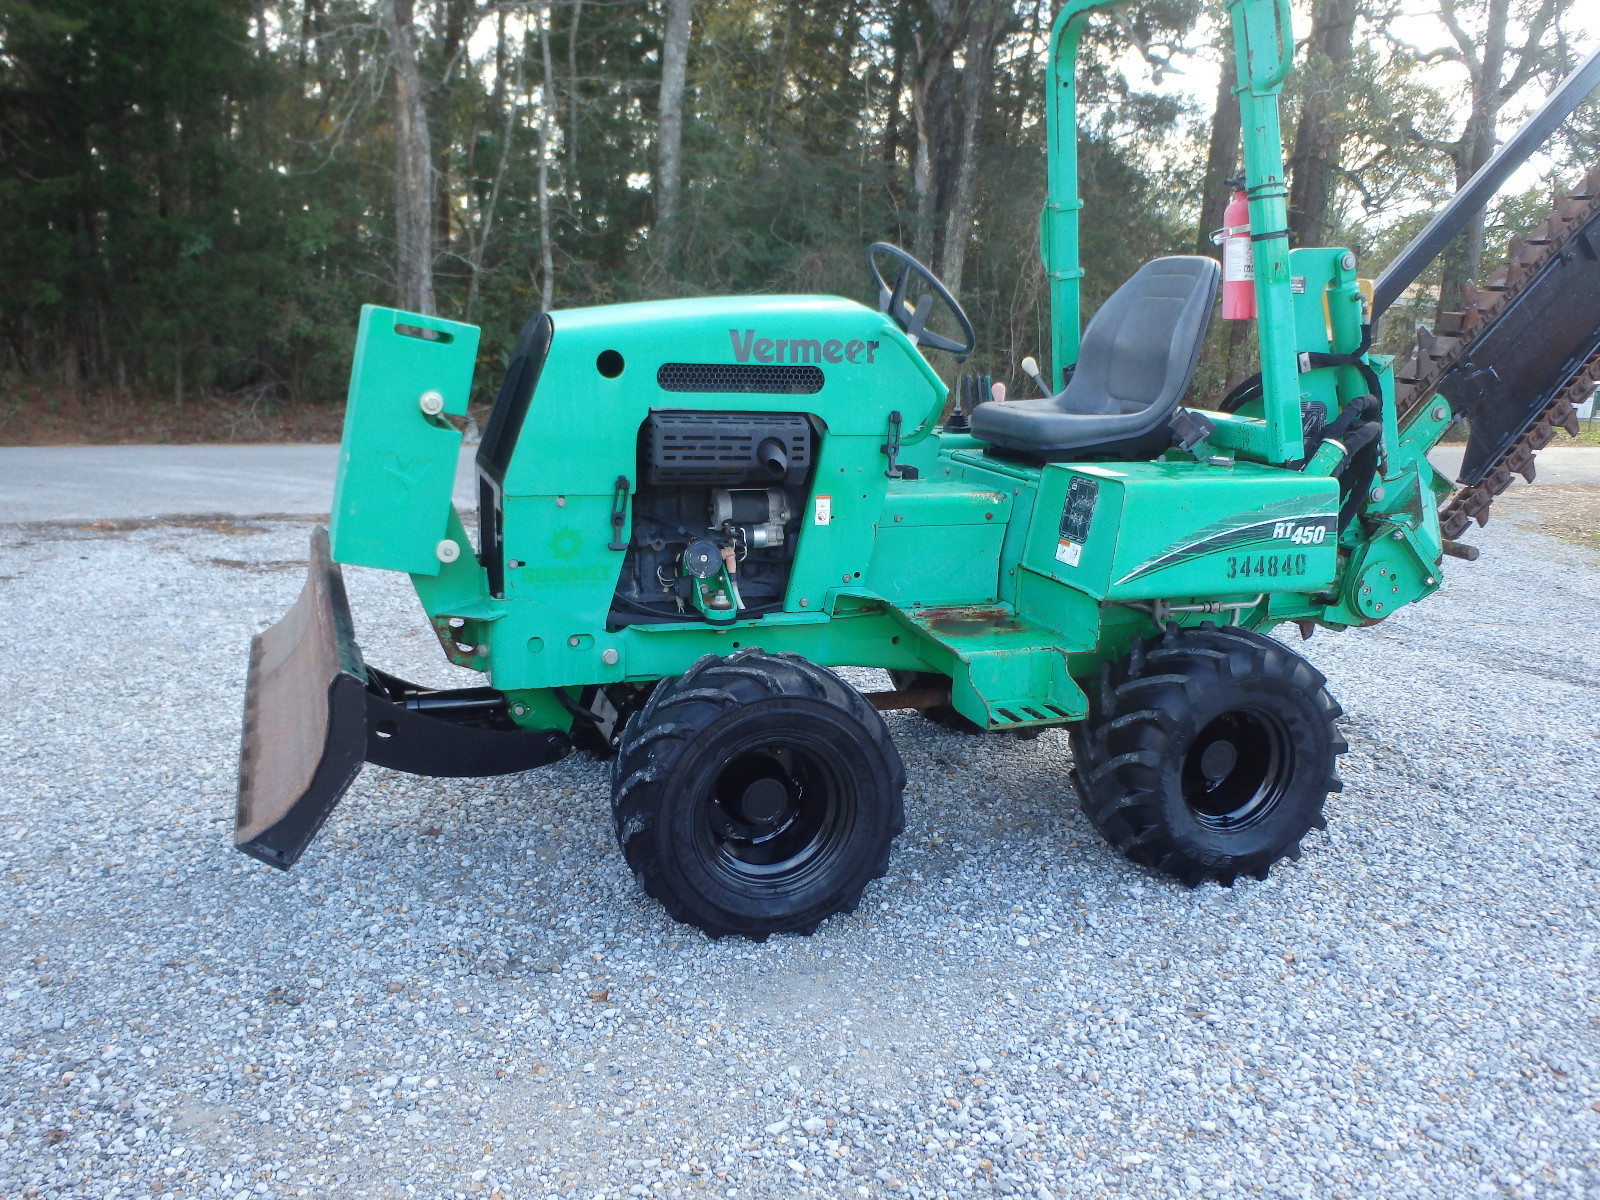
<point x="1208" y="754"/>
<point x="757" y="794"/>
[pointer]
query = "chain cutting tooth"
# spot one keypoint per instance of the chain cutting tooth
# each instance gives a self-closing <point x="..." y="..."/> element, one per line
<point x="1438" y="350"/>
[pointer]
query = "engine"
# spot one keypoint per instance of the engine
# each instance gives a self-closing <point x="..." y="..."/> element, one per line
<point x="718" y="491"/>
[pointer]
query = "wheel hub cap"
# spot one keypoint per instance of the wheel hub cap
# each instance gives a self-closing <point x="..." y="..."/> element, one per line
<point x="1237" y="768"/>
<point x="773" y="810"/>
<point x="1217" y="760"/>
<point x="764" y="802"/>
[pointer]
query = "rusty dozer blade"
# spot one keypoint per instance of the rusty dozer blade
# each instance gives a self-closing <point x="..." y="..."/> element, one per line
<point x="305" y="718"/>
<point x="313" y="712"/>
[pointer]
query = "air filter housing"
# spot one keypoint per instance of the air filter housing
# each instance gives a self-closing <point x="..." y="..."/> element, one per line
<point x="723" y="449"/>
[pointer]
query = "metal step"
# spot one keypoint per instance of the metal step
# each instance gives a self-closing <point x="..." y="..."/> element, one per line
<point x="1008" y="672"/>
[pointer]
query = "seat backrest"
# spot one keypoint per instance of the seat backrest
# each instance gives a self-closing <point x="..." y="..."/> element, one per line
<point x="1140" y="349"/>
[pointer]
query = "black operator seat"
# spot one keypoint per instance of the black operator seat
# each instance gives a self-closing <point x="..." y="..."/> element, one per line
<point x="1134" y="366"/>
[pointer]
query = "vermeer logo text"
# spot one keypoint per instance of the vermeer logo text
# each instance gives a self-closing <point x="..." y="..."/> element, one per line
<point x="798" y="350"/>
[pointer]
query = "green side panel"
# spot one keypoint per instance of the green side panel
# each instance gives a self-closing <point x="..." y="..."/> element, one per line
<point x="1020" y="484"/>
<point x="1174" y="530"/>
<point x="938" y="543"/>
<point x="537" y="645"/>
<point x="397" y="464"/>
<point x="839" y="523"/>
<point x="557" y="554"/>
<point x="1077" y="552"/>
<point x="582" y="426"/>
<point x="559" y="577"/>
<point x="865" y="638"/>
<point x="1073" y="616"/>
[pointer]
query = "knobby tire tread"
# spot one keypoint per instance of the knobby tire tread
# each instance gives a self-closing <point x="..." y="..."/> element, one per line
<point x="648" y="754"/>
<point x="1118" y="751"/>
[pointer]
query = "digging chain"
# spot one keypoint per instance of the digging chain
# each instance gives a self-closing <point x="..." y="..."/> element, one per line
<point x="1439" y="351"/>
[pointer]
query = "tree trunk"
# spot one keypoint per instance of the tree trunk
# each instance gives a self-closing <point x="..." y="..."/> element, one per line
<point x="933" y="103"/>
<point x="413" y="173"/>
<point x="1319" y="139"/>
<point x="897" y="82"/>
<point x="976" y="75"/>
<point x="309" y="25"/>
<point x="451" y="47"/>
<point x="669" y="130"/>
<point x="922" y="185"/>
<point x="1222" y="159"/>
<point x="541" y="17"/>
<point x="485" y="229"/>
<point x="572" y="103"/>
<point x="779" y="70"/>
<point x="1464" y="257"/>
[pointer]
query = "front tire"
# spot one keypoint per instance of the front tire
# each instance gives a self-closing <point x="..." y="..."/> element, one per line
<point x="757" y="794"/>
<point x="1208" y="754"/>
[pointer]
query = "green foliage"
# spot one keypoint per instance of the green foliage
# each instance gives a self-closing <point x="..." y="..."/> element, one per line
<point x="150" y="238"/>
<point x="199" y="193"/>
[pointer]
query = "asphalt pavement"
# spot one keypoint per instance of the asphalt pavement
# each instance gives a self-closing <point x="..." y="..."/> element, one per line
<point x="119" y="483"/>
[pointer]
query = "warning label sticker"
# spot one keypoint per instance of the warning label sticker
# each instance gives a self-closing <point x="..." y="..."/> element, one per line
<point x="1076" y="515"/>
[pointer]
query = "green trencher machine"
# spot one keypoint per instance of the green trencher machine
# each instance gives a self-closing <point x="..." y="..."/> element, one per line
<point x="690" y="510"/>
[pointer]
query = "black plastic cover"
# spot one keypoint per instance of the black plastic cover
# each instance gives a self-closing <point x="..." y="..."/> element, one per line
<point x="723" y="449"/>
<point x="500" y="440"/>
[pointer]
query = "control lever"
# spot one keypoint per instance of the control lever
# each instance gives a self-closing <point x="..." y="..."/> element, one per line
<point x="957" y="421"/>
<point x="971" y="391"/>
<point x="891" y="450"/>
<point x="1030" y="367"/>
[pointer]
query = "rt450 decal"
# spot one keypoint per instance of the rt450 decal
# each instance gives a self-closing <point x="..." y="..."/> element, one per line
<point x="1313" y="533"/>
<point x="1236" y="534"/>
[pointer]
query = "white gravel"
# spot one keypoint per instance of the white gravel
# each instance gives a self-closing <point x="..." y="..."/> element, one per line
<point x="460" y="991"/>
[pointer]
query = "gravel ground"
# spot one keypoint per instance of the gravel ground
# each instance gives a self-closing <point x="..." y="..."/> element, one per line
<point x="1569" y="513"/>
<point x="460" y="991"/>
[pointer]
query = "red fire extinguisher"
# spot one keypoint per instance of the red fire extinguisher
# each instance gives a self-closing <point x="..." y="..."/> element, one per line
<point x="1238" y="263"/>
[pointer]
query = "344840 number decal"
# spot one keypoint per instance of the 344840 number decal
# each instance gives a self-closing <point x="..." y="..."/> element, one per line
<point x="1269" y="566"/>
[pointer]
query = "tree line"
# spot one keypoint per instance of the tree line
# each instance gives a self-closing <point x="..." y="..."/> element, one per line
<point x="199" y="194"/>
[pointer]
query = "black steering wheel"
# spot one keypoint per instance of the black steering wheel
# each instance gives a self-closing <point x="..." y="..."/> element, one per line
<point x="914" y="320"/>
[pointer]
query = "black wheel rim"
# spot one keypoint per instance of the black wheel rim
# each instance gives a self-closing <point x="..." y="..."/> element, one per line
<point x="775" y="814"/>
<point x="1237" y="769"/>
